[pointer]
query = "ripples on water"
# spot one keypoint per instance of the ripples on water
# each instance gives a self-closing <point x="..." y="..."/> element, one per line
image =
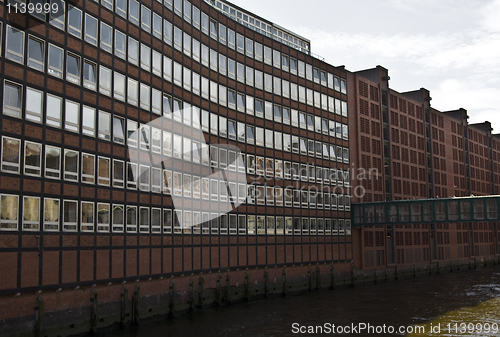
<point x="447" y="298"/>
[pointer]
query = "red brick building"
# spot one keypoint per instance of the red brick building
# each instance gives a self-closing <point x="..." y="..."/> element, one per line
<point x="418" y="152"/>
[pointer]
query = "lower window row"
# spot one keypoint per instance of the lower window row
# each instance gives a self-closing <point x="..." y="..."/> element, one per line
<point x="88" y="216"/>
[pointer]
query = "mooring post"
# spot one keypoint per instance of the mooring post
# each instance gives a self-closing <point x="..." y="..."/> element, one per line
<point x="284" y="282"/>
<point x="266" y="282"/>
<point x="93" y="313"/>
<point x="396" y="272"/>
<point x="218" y="292"/>
<point x="39" y="311"/>
<point x="201" y="283"/>
<point x="318" y="278"/>
<point x="191" y="294"/>
<point x="375" y="276"/>
<point x="171" y="305"/>
<point x="228" y="289"/>
<point x="353" y="274"/>
<point x="135" y="305"/>
<point x="309" y="279"/>
<point x="123" y="305"/>
<point x="332" y="282"/>
<point x="247" y="287"/>
<point x="414" y="271"/>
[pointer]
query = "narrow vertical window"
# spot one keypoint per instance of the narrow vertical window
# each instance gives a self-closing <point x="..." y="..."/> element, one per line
<point x="73" y="69"/>
<point x="74" y="21"/>
<point x="106" y="37"/>
<point x="32" y="158"/>
<point x="90" y="29"/>
<point x="34" y="104"/>
<point x="57" y="17"/>
<point x="52" y="162"/>
<point x="36" y="53"/>
<point x="72" y="117"/>
<point x="14" y="44"/>
<point x="51" y="214"/>
<point x="70" y="216"/>
<point x="103" y="216"/>
<point x="11" y="149"/>
<point x="12" y="99"/>
<point x="31" y="213"/>
<point x="87" y="217"/>
<point x="89" y="75"/>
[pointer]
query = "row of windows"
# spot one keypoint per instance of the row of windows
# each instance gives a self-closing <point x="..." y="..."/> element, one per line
<point x="151" y="22"/>
<point x="249" y="21"/>
<point x="89" y="121"/>
<point x="74" y="64"/>
<point x="111" y="172"/>
<point x="151" y="99"/>
<point x="88" y="216"/>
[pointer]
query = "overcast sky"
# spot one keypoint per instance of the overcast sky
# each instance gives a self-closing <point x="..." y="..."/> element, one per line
<point x="450" y="47"/>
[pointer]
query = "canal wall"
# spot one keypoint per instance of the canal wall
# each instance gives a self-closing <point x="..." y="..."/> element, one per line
<point x="79" y="311"/>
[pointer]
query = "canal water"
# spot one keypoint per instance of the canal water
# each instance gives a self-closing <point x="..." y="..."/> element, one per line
<point x="465" y="303"/>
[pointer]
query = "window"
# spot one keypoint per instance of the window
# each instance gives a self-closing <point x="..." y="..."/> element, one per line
<point x="103" y="217"/>
<point x="11" y="149"/>
<point x="87" y="217"/>
<point x="145" y="18"/>
<point x="187" y="11"/>
<point x="72" y="116"/>
<point x="133" y="12"/>
<point x="157" y="61"/>
<point x="32" y="158"/>
<point x="53" y="111"/>
<point x="177" y="38"/>
<point x="178" y="7"/>
<point x="55" y="64"/>
<point x="249" y="47"/>
<point x="145" y="97"/>
<point x="9" y="212"/>
<point x="89" y="75"/>
<point x="73" y="68"/>
<point x="230" y="38"/>
<point x="103" y="171"/>
<point x="52" y="162"/>
<point x="118" y="173"/>
<point x="119" y="86"/>
<point x="34" y="105"/>
<point x="132" y="176"/>
<point x="105" y="80"/>
<point x="12" y="99"/>
<point x="106" y="37"/>
<point x="133" y="92"/>
<point x="14" y="45"/>
<point x="31" y="213"/>
<point x="90" y="29"/>
<point x="70" y="215"/>
<point x="267" y="55"/>
<point x="133" y="51"/>
<point x="167" y="32"/>
<point x="222" y="33"/>
<point x="51" y="214"/>
<point x="145" y="57"/>
<point x="57" y="18"/>
<point x="88" y="168"/>
<point x="74" y="21"/>
<point x="36" y="53"/>
<point x="118" y="130"/>
<point x="213" y="29"/>
<point x="196" y="17"/>
<point x="120" y="44"/>
<point x="118" y="218"/>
